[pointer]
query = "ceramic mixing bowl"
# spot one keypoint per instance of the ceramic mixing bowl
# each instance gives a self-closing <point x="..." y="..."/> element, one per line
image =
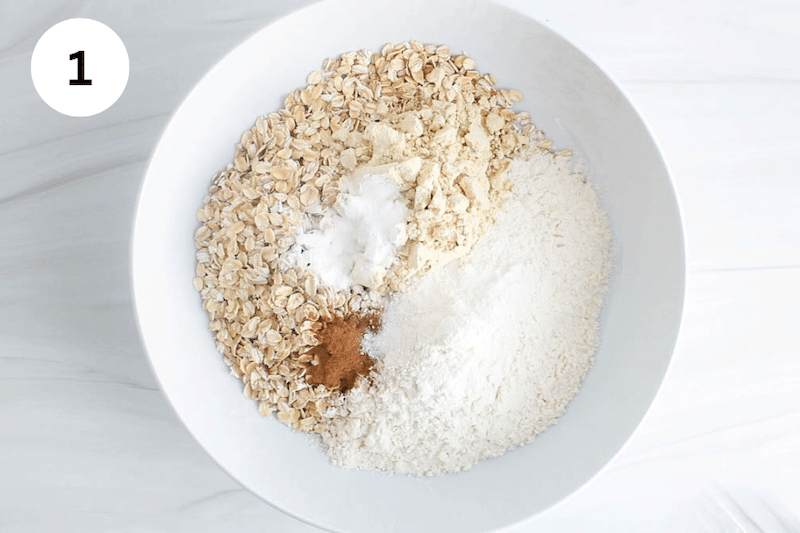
<point x="577" y="105"/>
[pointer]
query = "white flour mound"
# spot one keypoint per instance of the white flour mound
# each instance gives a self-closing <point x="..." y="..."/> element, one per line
<point x="480" y="356"/>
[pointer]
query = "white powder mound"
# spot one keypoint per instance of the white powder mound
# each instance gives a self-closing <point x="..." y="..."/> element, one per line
<point x="358" y="241"/>
<point x="480" y="356"/>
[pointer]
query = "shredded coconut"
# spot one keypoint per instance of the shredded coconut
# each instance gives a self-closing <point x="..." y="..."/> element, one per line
<point x="482" y="354"/>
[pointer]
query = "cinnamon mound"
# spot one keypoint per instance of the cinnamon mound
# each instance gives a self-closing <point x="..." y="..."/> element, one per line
<point x="338" y="355"/>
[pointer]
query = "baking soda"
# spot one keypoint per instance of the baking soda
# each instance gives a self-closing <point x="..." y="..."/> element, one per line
<point x="358" y="241"/>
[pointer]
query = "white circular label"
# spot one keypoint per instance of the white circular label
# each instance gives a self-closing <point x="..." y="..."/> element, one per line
<point x="80" y="67"/>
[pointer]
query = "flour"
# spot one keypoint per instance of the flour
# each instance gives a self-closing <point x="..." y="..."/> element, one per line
<point x="484" y="353"/>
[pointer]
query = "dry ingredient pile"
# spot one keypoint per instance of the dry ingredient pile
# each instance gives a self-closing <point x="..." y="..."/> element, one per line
<point x="398" y="262"/>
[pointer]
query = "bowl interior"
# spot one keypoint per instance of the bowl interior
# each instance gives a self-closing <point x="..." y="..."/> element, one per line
<point x="568" y="97"/>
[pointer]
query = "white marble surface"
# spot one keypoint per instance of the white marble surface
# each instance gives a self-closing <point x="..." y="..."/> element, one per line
<point x="87" y="442"/>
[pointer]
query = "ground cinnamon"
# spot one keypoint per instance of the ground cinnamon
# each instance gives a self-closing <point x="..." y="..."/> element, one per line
<point x="338" y="354"/>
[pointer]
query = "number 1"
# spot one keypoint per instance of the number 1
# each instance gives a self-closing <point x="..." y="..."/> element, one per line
<point x="81" y="80"/>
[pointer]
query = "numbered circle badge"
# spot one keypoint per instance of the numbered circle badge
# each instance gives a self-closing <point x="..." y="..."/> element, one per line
<point x="80" y="67"/>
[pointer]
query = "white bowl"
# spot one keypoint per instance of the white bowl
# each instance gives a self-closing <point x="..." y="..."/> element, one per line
<point x="577" y="105"/>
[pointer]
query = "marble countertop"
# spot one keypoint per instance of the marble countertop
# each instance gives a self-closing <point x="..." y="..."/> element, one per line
<point x="89" y="444"/>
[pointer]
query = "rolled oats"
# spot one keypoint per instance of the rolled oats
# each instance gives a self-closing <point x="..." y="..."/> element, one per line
<point x="451" y="131"/>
